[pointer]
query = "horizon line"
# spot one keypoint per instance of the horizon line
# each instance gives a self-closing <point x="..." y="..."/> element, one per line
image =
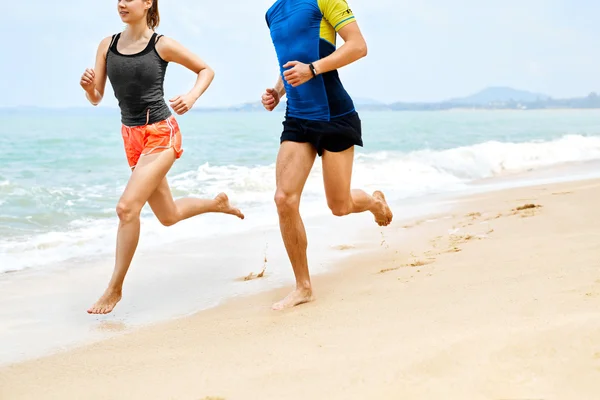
<point x="246" y="103"/>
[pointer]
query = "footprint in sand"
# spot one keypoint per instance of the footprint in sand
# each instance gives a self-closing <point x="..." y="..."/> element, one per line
<point x="473" y="215"/>
<point x="383" y="271"/>
<point x="111" y="326"/>
<point x="431" y="254"/>
<point x="420" y="263"/>
<point x="527" y="207"/>
<point x="343" y="247"/>
<point x="435" y="242"/>
<point x="500" y="215"/>
<point x="561" y="193"/>
<point x="416" y="263"/>
<point x="453" y="250"/>
<point x="463" y="238"/>
<point x="526" y="211"/>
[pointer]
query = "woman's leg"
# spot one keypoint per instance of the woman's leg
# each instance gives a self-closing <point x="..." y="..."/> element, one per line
<point x="146" y="177"/>
<point x="150" y="170"/>
<point x="170" y="211"/>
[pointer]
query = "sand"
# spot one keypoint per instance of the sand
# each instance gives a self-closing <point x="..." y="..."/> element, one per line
<point x="482" y="302"/>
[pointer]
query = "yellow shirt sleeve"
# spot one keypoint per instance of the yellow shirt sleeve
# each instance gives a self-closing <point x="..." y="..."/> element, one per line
<point x="337" y="13"/>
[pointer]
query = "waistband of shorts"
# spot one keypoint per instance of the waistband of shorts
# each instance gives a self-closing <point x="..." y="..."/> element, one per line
<point x="170" y="118"/>
<point x="351" y="114"/>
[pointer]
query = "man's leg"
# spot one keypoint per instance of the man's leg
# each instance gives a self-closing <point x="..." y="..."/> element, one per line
<point x="337" y="176"/>
<point x="294" y="162"/>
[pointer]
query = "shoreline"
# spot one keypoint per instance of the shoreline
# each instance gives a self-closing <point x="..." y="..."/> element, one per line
<point x="446" y="306"/>
<point x="49" y="297"/>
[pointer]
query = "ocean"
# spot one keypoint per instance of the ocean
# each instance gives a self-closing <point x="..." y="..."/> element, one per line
<point x="62" y="171"/>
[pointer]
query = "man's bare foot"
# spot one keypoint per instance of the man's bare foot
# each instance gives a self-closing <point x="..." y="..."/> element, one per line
<point x="383" y="214"/>
<point x="297" y="297"/>
<point x="107" y="302"/>
<point x="224" y="207"/>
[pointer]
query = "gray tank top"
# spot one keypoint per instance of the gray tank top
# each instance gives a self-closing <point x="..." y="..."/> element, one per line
<point x="137" y="80"/>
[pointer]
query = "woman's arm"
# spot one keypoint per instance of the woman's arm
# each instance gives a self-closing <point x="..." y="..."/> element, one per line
<point x="171" y="51"/>
<point x="93" y="81"/>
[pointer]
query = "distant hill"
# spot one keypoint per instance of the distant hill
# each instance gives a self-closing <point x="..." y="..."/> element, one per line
<point x="361" y="103"/>
<point x="492" y="98"/>
<point x="365" y="101"/>
<point x="500" y="94"/>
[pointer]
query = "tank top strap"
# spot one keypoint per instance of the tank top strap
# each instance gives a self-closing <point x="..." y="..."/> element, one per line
<point x="114" y="41"/>
<point x="153" y="40"/>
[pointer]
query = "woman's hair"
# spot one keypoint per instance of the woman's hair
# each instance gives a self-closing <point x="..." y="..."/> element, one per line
<point x="153" y="16"/>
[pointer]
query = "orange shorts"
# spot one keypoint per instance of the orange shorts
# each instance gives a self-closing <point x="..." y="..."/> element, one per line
<point x="147" y="139"/>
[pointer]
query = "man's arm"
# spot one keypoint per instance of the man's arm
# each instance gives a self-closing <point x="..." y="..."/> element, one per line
<point x="279" y="87"/>
<point x="341" y="18"/>
<point x="353" y="49"/>
<point x="272" y="96"/>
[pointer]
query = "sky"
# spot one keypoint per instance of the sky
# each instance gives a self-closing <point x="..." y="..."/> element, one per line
<point x="419" y="50"/>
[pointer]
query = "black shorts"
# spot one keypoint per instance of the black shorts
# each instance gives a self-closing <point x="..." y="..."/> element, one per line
<point x="336" y="135"/>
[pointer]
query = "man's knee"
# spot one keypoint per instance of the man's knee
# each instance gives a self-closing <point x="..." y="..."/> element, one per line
<point x="340" y="208"/>
<point x="286" y="202"/>
<point x="127" y="211"/>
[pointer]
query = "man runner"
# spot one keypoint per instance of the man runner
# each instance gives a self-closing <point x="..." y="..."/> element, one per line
<point x="320" y="119"/>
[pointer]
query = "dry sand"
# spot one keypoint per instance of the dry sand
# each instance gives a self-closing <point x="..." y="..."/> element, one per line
<point x="485" y="303"/>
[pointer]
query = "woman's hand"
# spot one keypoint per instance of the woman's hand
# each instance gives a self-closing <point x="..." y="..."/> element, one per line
<point x="183" y="103"/>
<point x="88" y="80"/>
<point x="172" y="51"/>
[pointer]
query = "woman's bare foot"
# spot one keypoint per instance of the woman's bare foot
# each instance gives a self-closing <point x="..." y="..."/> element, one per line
<point x="383" y="214"/>
<point x="297" y="297"/>
<point x="224" y="207"/>
<point x="106" y="303"/>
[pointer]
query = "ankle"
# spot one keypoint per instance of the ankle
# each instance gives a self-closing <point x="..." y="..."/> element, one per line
<point x="304" y="286"/>
<point x="118" y="290"/>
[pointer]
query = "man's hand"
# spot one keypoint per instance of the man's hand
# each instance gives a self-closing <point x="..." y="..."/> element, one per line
<point x="270" y="99"/>
<point x="298" y="74"/>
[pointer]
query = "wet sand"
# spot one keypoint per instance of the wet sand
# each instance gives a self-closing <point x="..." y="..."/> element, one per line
<point x="485" y="301"/>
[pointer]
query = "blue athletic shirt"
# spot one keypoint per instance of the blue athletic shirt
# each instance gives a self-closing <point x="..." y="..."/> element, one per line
<point x="305" y="31"/>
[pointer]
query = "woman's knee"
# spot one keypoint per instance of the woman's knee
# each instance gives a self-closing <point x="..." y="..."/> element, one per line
<point x="168" y="220"/>
<point x="127" y="211"/>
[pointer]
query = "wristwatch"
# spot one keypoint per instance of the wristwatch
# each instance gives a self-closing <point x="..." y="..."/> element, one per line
<point x="312" y="69"/>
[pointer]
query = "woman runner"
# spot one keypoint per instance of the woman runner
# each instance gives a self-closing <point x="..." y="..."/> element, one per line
<point x="135" y="62"/>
